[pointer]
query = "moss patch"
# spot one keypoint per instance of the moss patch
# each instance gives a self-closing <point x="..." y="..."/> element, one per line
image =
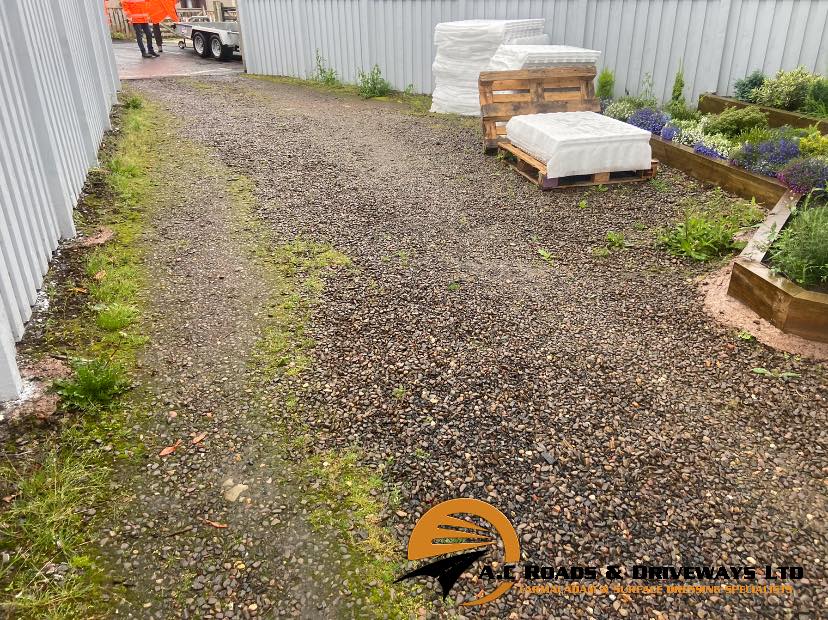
<point x="349" y="496"/>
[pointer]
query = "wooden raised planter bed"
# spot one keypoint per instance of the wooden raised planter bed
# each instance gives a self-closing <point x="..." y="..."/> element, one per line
<point x="713" y="104"/>
<point x="786" y="305"/>
<point x="746" y="184"/>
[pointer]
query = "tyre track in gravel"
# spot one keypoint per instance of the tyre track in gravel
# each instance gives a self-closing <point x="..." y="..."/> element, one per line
<point x="456" y="352"/>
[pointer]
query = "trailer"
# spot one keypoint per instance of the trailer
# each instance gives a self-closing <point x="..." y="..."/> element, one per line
<point x="219" y="40"/>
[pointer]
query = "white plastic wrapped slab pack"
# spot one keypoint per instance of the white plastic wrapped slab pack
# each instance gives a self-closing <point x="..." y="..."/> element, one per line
<point x="464" y="49"/>
<point x="512" y="57"/>
<point x="574" y="143"/>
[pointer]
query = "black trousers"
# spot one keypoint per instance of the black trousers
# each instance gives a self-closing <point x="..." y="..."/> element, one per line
<point x="156" y="31"/>
<point x="141" y="31"/>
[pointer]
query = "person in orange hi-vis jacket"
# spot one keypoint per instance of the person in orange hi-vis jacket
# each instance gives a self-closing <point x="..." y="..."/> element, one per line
<point x="159" y="10"/>
<point x="138" y="13"/>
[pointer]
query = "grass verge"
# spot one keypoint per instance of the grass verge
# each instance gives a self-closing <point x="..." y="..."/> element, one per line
<point x="59" y="487"/>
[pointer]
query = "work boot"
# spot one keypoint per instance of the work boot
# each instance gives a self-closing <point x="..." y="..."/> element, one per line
<point x="146" y="55"/>
<point x="160" y="51"/>
<point x="153" y="54"/>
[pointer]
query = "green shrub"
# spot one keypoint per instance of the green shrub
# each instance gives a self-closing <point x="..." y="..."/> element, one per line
<point x="679" y="111"/>
<point x="814" y="143"/>
<point x="788" y="90"/>
<point x="801" y="250"/>
<point x="372" y="84"/>
<point x="323" y="73"/>
<point x="746" y="87"/>
<point x="816" y="102"/>
<point x="95" y="385"/>
<point x="708" y="228"/>
<point x="678" y="86"/>
<point x="733" y="122"/>
<point x="606" y="85"/>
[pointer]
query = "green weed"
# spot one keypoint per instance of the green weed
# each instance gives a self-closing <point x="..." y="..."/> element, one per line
<point x="615" y="240"/>
<point x="709" y="226"/>
<point x="323" y="73"/>
<point x="659" y="184"/>
<point x="454" y="287"/>
<point x="404" y="256"/>
<point x="583" y="204"/>
<point x="133" y="103"/>
<point x="776" y="373"/>
<point x="372" y="84"/>
<point x="398" y="392"/>
<point x="116" y="316"/>
<point x="95" y="385"/>
<point x="546" y="255"/>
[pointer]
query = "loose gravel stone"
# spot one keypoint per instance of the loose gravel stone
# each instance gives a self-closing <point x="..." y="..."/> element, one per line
<point x="588" y="398"/>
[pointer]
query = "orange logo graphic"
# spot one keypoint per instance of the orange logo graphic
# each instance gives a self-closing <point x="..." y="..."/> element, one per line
<point x="440" y="523"/>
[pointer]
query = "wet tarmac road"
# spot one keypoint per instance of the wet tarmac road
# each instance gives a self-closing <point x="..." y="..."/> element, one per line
<point x="172" y="62"/>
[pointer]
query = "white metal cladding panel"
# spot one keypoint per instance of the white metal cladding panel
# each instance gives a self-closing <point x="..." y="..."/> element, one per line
<point x="717" y="41"/>
<point x="60" y="79"/>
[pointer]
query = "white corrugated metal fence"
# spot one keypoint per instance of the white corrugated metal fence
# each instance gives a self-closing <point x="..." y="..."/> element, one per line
<point x="718" y="41"/>
<point x="59" y="81"/>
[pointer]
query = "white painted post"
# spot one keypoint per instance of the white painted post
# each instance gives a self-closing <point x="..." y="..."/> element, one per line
<point x="10" y="383"/>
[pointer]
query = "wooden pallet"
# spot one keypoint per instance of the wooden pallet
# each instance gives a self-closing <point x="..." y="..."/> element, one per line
<point x="504" y="94"/>
<point x="535" y="171"/>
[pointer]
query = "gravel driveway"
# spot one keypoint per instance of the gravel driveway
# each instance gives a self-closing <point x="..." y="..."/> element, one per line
<point x="588" y="397"/>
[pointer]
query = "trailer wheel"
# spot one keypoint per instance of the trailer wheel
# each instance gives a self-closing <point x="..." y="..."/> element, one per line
<point x="218" y="50"/>
<point x="182" y="44"/>
<point x="200" y="44"/>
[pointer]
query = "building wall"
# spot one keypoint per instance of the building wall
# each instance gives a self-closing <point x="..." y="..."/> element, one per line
<point x="59" y="78"/>
<point x="717" y="41"/>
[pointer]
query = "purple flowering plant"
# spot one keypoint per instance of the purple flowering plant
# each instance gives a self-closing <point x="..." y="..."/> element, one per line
<point x="650" y="119"/>
<point x="767" y="157"/>
<point x="805" y="174"/>
<point x="669" y="132"/>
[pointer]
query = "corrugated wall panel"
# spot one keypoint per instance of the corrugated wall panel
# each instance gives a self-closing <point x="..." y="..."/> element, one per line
<point x="60" y="78"/>
<point x="717" y="41"/>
